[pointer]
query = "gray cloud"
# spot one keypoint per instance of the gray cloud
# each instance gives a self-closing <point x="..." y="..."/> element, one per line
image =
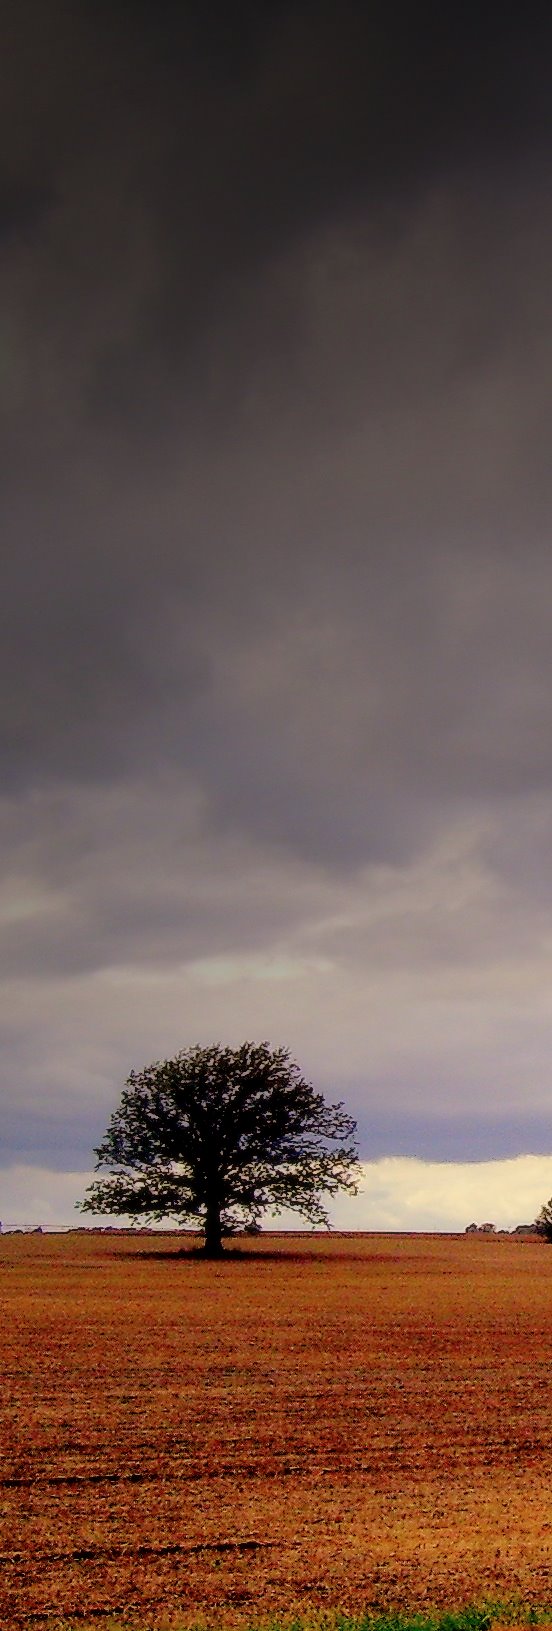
<point x="275" y="661"/>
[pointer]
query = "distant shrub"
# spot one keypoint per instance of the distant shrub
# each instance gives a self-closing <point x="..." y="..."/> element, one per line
<point x="543" y="1223"/>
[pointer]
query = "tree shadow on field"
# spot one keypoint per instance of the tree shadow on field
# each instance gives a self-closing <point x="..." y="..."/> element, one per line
<point x="235" y="1255"/>
<point x="195" y="1254"/>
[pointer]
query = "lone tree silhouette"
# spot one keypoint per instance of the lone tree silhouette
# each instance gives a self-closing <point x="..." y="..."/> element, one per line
<point x="217" y="1135"/>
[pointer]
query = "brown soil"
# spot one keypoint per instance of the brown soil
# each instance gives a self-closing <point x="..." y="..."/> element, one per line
<point x="350" y="1422"/>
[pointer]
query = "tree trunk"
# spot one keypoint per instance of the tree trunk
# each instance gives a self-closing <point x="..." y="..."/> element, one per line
<point x="213" y="1246"/>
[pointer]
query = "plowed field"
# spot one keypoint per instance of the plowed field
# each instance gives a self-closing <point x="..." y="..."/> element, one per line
<point x="331" y="1421"/>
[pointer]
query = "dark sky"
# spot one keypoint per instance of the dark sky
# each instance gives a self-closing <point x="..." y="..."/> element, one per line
<point x="277" y="590"/>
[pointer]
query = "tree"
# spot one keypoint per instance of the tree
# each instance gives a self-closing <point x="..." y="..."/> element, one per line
<point x="543" y="1223"/>
<point x="217" y="1135"/>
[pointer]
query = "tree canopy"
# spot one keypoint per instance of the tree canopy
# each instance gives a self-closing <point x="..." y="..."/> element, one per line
<point x="218" y="1135"/>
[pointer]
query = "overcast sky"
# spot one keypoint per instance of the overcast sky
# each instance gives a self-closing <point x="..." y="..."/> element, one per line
<point x="277" y="594"/>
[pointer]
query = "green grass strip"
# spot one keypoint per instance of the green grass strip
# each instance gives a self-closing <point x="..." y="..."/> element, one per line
<point x="473" y="1618"/>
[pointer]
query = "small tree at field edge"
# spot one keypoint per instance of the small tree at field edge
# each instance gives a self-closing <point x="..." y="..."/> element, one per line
<point x="544" y="1221"/>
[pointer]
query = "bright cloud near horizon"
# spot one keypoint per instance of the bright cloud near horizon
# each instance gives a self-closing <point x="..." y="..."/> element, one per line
<point x="395" y="1193"/>
<point x="277" y="650"/>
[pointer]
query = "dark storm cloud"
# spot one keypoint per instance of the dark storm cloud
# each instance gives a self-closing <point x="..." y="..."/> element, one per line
<point x="353" y="535"/>
<point x="165" y="155"/>
<point x="275" y="507"/>
<point x="127" y="878"/>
